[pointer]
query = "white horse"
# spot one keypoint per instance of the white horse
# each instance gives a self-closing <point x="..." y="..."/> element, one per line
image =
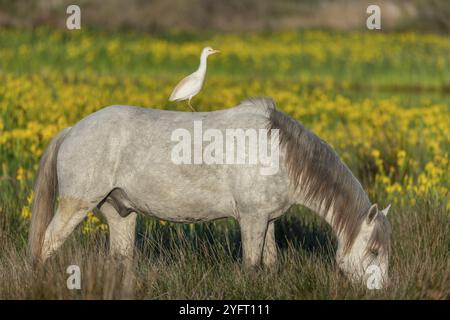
<point x="119" y="160"/>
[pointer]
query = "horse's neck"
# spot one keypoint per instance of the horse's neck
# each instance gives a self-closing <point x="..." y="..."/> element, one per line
<point x="319" y="208"/>
<point x="315" y="205"/>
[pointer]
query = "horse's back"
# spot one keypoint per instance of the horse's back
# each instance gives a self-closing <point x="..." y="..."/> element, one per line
<point x="153" y="127"/>
<point x="131" y="148"/>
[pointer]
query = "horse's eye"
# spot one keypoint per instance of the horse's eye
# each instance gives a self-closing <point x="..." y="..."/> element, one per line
<point x="374" y="252"/>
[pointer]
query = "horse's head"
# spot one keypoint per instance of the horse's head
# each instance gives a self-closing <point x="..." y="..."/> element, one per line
<point x="367" y="258"/>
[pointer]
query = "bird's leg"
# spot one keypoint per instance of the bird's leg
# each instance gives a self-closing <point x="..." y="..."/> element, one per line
<point x="190" y="106"/>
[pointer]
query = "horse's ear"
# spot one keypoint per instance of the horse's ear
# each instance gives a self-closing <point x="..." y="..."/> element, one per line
<point x="386" y="210"/>
<point x="373" y="211"/>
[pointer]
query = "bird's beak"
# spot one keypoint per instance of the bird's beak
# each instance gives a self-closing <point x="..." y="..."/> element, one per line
<point x="216" y="51"/>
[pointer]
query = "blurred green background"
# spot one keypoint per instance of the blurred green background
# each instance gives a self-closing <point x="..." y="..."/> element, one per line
<point x="230" y="15"/>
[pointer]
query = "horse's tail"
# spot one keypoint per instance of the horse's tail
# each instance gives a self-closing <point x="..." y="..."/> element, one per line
<point x="45" y="190"/>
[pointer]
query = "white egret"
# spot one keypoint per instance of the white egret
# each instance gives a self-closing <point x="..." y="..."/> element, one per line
<point x="192" y="84"/>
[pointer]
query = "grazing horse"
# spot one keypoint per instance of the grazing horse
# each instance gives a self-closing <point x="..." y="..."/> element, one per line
<point x="120" y="161"/>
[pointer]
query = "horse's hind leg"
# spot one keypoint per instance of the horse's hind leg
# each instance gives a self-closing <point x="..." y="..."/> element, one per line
<point x="69" y="214"/>
<point x="121" y="239"/>
<point x="121" y="231"/>
<point x="270" y="247"/>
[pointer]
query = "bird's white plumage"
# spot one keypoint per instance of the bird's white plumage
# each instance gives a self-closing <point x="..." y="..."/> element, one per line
<point x="186" y="88"/>
<point x="192" y="84"/>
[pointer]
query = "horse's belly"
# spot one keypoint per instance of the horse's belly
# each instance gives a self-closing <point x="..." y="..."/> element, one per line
<point x="200" y="193"/>
<point x="181" y="205"/>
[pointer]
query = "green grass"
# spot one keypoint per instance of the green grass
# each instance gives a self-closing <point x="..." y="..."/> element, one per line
<point x="399" y="60"/>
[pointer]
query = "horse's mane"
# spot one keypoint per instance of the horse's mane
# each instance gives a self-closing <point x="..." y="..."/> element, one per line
<point x="315" y="170"/>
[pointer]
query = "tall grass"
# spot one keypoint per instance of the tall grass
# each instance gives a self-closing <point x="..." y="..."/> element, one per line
<point x="204" y="261"/>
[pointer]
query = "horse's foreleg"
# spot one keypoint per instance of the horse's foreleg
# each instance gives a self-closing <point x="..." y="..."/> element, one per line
<point x="253" y="232"/>
<point x="69" y="214"/>
<point x="270" y="247"/>
<point x="121" y="242"/>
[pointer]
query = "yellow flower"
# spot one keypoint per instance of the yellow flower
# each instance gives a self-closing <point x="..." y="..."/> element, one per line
<point x="93" y="224"/>
<point x="25" y="213"/>
<point x="21" y="174"/>
<point x="401" y="155"/>
<point x="375" y="153"/>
